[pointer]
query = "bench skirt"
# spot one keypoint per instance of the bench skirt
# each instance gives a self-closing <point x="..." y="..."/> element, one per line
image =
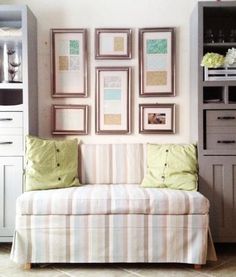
<point x="112" y="238"/>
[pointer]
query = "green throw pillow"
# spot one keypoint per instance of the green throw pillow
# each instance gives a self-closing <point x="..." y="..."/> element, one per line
<point x="171" y="166"/>
<point x="51" y="163"/>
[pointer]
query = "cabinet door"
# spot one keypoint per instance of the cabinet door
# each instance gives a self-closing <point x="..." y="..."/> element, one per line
<point x="217" y="181"/>
<point x="11" y="172"/>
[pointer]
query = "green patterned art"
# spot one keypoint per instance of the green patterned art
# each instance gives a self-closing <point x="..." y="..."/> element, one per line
<point x="74" y="47"/>
<point x="157" y="46"/>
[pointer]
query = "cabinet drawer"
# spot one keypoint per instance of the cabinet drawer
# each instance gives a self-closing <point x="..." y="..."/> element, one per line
<point x="221" y="118"/>
<point x="11" y="119"/>
<point x="11" y="145"/>
<point x="221" y="130"/>
<point x="11" y="131"/>
<point x="221" y="141"/>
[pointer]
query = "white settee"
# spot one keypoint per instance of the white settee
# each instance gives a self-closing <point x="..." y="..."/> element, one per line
<point x="110" y="218"/>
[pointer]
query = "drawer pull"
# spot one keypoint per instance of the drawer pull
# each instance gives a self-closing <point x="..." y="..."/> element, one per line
<point x="225" y="141"/>
<point x="6" y="142"/>
<point x="225" y="117"/>
<point x="6" y="119"/>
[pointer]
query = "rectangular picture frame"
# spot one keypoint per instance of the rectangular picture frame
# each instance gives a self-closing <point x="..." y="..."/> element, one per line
<point x="70" y="119"/>
<point x="157" y="118"/>
<point x="156" y="62"/>
<point x="113" y="100"/>
<point x="69" y="63"/>
<point x="113" y="43"/>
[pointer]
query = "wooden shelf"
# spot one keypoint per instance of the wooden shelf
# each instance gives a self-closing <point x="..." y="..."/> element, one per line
<point x="12" y="108"/>
<point x="11" y="85"/>
<point x="219" y="83"/>
<point x="219" y="106"/>
<point x="220" y="44"/>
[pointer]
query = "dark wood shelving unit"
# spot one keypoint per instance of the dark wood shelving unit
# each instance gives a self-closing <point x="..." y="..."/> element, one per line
<point x="213" y="107"/>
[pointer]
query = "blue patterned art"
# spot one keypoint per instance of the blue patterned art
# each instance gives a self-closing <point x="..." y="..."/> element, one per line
<point x="74" y="47"/>
<point x="112" y="94"/>
<point x="157" y="46"/>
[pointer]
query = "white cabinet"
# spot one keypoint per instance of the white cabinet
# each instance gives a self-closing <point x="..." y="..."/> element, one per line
<point x="18" y="105"/>
<point x="11" y="169"/>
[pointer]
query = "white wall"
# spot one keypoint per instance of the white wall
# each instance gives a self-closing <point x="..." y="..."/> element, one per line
<point x="133" y="14"/>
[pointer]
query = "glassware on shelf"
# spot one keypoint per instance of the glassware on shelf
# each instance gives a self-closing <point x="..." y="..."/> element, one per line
<point x="232" y="35"/>
<point x="209" y="36"/>
<point x="220" y="36"/>
<point x="12" y="64"/>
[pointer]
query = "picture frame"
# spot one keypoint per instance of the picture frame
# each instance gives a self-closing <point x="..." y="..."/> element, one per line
<point x="156" y="62"/>
<point x="157" y="118"/>
<point x="113" y="43"/>
<point x="70" y="119"/>
<point x="113" y="100"/>
<point x="69" y="63"/>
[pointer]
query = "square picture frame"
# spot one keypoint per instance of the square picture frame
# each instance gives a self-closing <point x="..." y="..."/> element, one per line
<point x="113" y="43"/>
<point x="156" y="62"/>
<point x="69" y="63"/>
<point x="157" y="118"/>
<point x="70" y="119"/>
<point x="113" y="100"/>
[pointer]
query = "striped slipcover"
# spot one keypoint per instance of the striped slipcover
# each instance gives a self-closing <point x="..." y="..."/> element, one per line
<point x="110" y="218"/>
<point x="112" y="163"/>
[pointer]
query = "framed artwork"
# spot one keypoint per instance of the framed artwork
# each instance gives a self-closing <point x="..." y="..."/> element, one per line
<point x="156" y="62"/>
<point x="69" y="119"/>
<point x="69" y="62"/>
<point x="156" y="118"/>
<point x="113" y="87"/>
<point x="113" y="44"/>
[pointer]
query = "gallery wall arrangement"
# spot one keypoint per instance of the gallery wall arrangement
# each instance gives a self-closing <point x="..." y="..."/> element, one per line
<point x="113" y="91"/>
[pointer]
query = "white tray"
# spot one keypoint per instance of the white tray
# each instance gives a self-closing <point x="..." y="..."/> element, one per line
<point x="220" y="74"/>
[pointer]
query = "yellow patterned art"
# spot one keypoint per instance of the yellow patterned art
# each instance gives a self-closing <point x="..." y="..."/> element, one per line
<point x="63" y="63"/>
<point x="156" y="78"/>
<point x="118" y="44"/>
<point x="112" y="119"/>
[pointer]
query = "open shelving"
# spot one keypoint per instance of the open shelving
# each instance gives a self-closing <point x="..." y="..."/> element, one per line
<point x="213" y="114"/>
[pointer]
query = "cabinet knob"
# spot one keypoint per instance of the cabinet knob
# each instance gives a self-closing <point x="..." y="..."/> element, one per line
<point x="6" y="142"/>
<point x="225" y="117"/>
<point x="226" y="141"/>
<point x="6" y="119"/>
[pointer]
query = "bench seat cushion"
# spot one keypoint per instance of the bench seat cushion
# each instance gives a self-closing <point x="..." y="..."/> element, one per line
<point x="111" y="199"/>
